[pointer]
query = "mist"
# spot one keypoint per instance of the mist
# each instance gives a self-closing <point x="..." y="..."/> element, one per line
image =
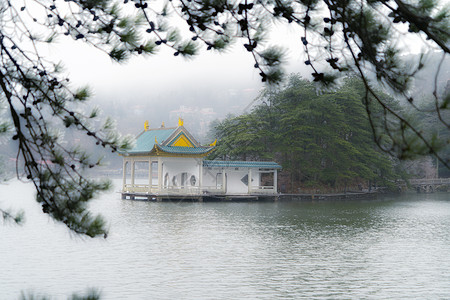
<point x="154" y="87"/>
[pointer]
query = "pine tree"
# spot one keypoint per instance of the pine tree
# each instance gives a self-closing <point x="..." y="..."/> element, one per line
<point x="320" y="139"/>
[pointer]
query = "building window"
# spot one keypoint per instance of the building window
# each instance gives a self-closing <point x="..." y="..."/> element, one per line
<point x="193" y="180"/>
<point x="183" y="179"/>
<point x="219" y="180"/>
<point x="245" y="179"/>
<point x="166" y="180"/>
<point x="155" y="174"/>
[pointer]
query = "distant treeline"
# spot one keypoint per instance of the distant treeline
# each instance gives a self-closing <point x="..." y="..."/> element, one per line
<point x="323" y="140"/>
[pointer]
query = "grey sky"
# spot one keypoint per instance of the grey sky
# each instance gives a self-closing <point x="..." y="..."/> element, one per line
<point x="157" y="72"/>
<point x="227" y="82"/>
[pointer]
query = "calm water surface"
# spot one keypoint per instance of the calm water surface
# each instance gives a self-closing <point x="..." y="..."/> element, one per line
<point x="393" y="248"/>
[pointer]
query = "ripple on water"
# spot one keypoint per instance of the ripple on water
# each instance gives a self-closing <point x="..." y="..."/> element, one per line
<point x="377" y="250"/>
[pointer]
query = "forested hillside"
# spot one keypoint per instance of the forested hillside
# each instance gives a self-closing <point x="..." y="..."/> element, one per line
<point x="323" y="140"/>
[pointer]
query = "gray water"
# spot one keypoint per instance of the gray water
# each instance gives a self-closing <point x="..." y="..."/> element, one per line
<point x="392" y="248"/>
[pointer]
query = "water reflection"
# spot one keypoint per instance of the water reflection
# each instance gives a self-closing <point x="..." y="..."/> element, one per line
<point x="394" y="248"/>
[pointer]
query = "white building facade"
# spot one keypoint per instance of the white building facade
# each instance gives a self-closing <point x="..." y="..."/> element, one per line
<point x="168" y="163"/>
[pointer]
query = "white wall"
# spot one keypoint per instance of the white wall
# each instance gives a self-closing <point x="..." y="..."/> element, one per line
<point x="175" y="166"/>
<point x="209" y="176"/>
<point x="235" y="184"/>
<point x="233" y="179"/>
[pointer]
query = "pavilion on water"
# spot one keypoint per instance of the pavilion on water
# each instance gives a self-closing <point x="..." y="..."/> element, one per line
<point x="168" y="163"/>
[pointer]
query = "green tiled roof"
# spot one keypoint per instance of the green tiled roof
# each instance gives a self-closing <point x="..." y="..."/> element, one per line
<point x="241" y="164"/>
<point x="145" y="143"/>
<point x="146" y="140"/>
<point x="185" y="150"/>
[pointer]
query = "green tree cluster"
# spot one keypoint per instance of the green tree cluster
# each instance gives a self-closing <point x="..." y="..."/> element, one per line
<point x="321" y="140"/>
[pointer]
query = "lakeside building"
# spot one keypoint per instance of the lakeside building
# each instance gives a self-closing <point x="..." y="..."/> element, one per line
<point x="168" y="163"/>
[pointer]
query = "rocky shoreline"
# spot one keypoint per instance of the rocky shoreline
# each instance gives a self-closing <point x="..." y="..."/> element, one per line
<point x="328" y="197"/>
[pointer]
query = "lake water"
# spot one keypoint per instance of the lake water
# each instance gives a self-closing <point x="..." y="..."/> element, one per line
<point x="390" y="248"/>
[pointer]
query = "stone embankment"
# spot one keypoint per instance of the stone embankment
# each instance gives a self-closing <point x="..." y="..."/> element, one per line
<point x="327" y="197"/>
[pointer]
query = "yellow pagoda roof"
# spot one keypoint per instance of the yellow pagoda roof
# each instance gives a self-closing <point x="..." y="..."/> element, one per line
<point x="171" y="141"/>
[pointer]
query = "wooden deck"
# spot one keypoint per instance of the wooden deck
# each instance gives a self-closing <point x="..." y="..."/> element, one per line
<point x="204" y="193"/>
<point x="210" y="197"/>
<point x="220" y="197"/>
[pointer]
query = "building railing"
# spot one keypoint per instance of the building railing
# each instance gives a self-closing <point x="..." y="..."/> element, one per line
<point x="137" y="188"/>
<point x="430" y="181"/>
<point x="263" y="189"/>
<point x="179" y="190"/>
<point x="212" y="190"/>
<point x="189" y="190"/>
<point x="171" y="190"/>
